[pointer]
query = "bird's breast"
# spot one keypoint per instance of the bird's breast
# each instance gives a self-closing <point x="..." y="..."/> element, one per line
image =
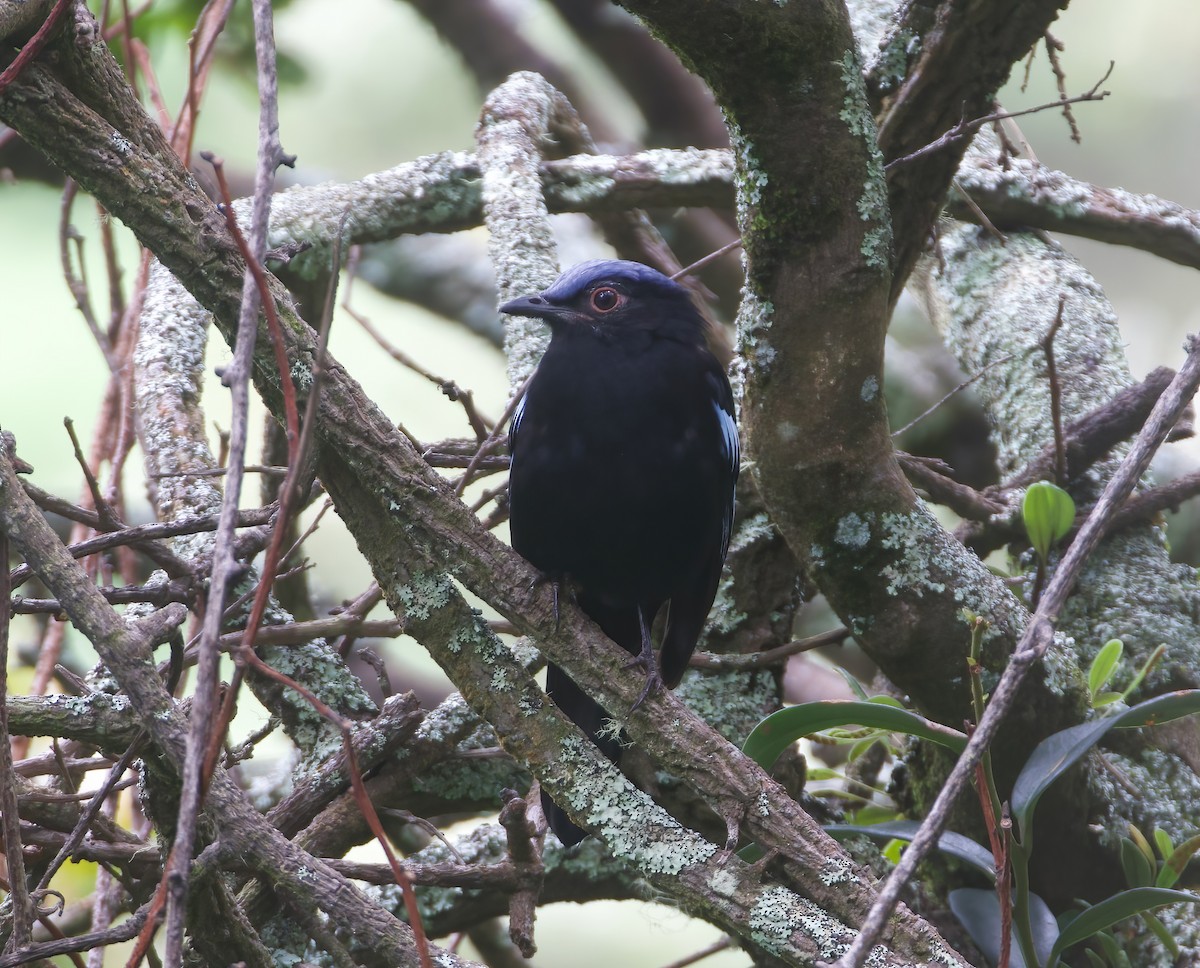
<point x="615" y="469"/>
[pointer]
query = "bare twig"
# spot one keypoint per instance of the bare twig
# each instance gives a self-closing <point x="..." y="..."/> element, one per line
<point x="1054" y="47"/>
<point x="1060" y="450"/>
<point x="768" y="657"/>
<point x="23" y="908"/>
<point x="202" y="736"/>
<point x="493" y="438"/>
<point x="964" y="127"/>
<point x="962" y="386"/>
<point x="33" y="46"/>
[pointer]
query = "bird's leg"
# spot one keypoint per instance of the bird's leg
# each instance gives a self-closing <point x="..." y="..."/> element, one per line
<point x="555" y="583"/>
<point x="646" y="661"/>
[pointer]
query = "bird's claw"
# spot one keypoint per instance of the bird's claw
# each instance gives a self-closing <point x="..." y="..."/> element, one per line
<point x="555" y="584"/>
<point x="654" y="680"/>
<point x="646" y="660"/>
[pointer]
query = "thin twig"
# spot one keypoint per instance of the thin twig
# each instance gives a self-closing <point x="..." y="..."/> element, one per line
<point x="1060" y="450"/>
<point x="1053" y="47"/>
<point x="768" y="657"/>
<point x="203" y="736"/>
<point x="23" y="908"/>
<point x="705" y="260"/>
<point x="33" y="46"/>
<point x="964" y="128"/>
<point x="962" y="386"/>
<point x="494" y="437"/>
<point x="479" y="424"/>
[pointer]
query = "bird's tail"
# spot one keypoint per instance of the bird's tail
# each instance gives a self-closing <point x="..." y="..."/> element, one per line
<point x="589" y="716"/>
<point x="621" y="625"/>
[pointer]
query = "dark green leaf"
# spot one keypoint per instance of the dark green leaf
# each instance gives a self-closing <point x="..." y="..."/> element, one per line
<point x="1048" y="761"/>
<point x="1113" y="909"/>
<point x="1160" y="709"/>
<point x="956" y="845"/>
<point x="1138" y="872"/>
<point x="781" y="729"/>
<point x="979" y="912"/>
<point x="1059" y="751"/>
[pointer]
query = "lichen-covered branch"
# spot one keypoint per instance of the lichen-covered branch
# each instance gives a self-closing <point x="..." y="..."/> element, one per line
<point x="937" y="64"/>
<point x="1023" y="193"/>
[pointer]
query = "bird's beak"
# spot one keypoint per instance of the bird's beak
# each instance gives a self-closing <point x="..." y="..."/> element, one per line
<point x="535" y="307"/>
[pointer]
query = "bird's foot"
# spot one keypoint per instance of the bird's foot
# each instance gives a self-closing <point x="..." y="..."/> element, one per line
<point x="555" y="582"/>
<point x="646" y="661"/>
<point x="654" y="680"/>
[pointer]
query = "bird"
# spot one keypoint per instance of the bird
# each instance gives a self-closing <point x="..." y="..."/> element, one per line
<point x="624" y="458"/>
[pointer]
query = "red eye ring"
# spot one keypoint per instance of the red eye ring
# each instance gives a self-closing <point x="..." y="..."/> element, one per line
<point x="605" y="299"/>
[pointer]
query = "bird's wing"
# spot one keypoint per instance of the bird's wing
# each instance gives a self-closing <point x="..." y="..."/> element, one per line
<point x="690" y="607"/>
<point x="515" y="423"/>
<point x="732" y="451"/>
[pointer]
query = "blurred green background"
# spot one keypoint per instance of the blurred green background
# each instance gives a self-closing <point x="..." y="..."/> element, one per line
<point x="379" y="89"/>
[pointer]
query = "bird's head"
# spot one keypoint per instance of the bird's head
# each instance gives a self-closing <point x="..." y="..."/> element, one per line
<point x="607" y="296"/>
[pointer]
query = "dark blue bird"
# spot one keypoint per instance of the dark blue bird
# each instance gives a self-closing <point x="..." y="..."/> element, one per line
<point x="624" y="460"/>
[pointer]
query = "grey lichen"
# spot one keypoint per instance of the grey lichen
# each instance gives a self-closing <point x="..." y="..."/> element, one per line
<point x="754" y="319"/>
<point x="635" y="828"/>
<point x="852" y="531"/>
<point x="425" y="593"/>
<point x="995" y="304"/>
<point x="733" y="702"/>
<point x="778" y="914"/>
<point x="911" y="570"/>
<point x="872" y="204"/>
<point x="1150" y="788"/>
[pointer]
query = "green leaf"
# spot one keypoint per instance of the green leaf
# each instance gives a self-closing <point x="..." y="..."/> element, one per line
<point x="854" y="684"/>
<point x="1106" y="699"/>
<point x="862" y="746"/>
<point x="1160" y="931"/>
<point x="873" y="813"/>
<point x="1054" y="755"/>
<point x="1160" y="709"/>
<point x="1149" y="664"/>
<point x="1048" y="512"/>
<point x="1142" y="844"/>
<point x="979" y="912"/>
<point x="782" y="728"/>
<point x="1111" y="910"/>
<point x="1162" y="840"/>
<point x="1177" y="860"/>
<point x="1094" y="959"/>
<point x="956" y="845"/>
<point x="1103" y="666"/>
<point x="1138" y="872"/>
<point x="1112" y="951"/>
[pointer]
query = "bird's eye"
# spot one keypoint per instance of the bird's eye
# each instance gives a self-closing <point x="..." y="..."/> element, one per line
<point x="606" y="299"/>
